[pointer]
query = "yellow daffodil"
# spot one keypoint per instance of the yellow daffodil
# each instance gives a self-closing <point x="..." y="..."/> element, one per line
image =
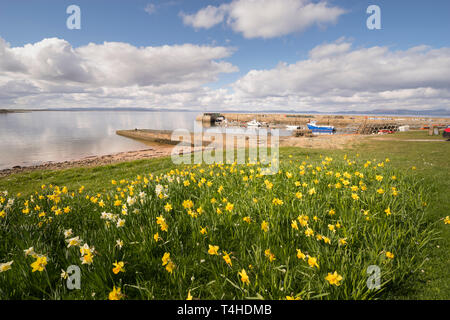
<point x="170" y="266"/>
<point x="388" y="211"/>
<point x="118" y="267"/>
<point x="168" y="207"/>
<point x="303" y="220"/>
<point x="269" y="255"/>
<point x="264" y="226"/>
<point x="115" y="294"/>
<point x="229" y="207"/>
<point x="213" y="250"/>
<point x="5" y="266"/>
<point x="334" y="278"/>
<point x="87" y="258"/>
<point x="268" y="184"/>
<point x="29" y="251"/>
<point x="39" y="264"/>
<point x="188" y="204"/>
<point x="64" y="274"/>
<point x="120" y="223"/>
<point x="300" y="255"/>
<point x="68" y="233"/>
<point x="226" y="257"/>
<point x="244" y="277"/>
<point x="313" y="262"/>
<point x="73" y="242"/>
<point x="277" y="202"/>
<point x="166" y="258"/>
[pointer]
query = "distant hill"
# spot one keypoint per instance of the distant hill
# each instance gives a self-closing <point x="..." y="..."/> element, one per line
<point x="396" y="112"/>
<point x="13" y="110"/>
<point x="399" y="112"/>
<point x="115" y="109"/>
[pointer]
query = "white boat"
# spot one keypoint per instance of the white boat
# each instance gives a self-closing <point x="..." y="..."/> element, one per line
<point x="254" y="124"/>
<point x="223" y="123"/>
<point x="292" y="127"/>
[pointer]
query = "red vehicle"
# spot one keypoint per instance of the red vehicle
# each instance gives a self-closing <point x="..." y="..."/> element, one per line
<point x="385" y="131"/>
<point x="446" y="133"/>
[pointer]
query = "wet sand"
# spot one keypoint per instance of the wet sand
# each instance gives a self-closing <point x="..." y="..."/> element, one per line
<point x="93" y="161"/>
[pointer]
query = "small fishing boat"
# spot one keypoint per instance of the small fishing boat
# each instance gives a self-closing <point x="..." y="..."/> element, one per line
<point x="316" y="129"/>
<point x="291" y="128"/>
<point x="253" y="124"/>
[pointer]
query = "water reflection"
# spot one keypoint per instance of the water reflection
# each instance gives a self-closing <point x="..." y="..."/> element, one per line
<point x="36" y="137"/>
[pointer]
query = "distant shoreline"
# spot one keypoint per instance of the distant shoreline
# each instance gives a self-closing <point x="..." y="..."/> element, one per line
<point x="4" y="111"/>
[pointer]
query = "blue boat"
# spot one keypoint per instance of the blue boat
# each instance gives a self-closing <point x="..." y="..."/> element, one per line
<point x="320" y="129"/>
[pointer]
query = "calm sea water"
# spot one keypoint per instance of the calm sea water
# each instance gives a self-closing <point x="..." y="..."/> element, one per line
<point x="37" y="137"/>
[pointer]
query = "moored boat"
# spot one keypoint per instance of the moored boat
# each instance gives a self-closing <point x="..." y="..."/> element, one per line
<point x="316" y="129"/>
<point x="253" y="124"/>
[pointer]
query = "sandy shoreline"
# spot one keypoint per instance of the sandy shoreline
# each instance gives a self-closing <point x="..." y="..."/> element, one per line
<point x="93" y="161"/>
<point x="322" y="142"/>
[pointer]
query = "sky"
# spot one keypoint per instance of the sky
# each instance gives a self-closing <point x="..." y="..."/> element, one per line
<point x="246" y="55"/>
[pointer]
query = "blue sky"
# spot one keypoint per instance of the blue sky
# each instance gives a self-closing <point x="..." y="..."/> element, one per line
<point x="405" y="24"/>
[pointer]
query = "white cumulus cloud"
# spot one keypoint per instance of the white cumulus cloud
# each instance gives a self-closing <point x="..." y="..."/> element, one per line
<point x="338" y="77"/>
<point x="53" y="66"/>
<point x="265" y="18"/>
<point x="206" y="17"/>
<point x="335" y="76"/>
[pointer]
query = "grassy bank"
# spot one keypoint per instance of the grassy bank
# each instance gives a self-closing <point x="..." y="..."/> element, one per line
<point x="429" y="281"/>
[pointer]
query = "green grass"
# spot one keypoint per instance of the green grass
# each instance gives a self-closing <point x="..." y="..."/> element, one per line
<point x="432" y="177"/>
<point x="93" y="178"/>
